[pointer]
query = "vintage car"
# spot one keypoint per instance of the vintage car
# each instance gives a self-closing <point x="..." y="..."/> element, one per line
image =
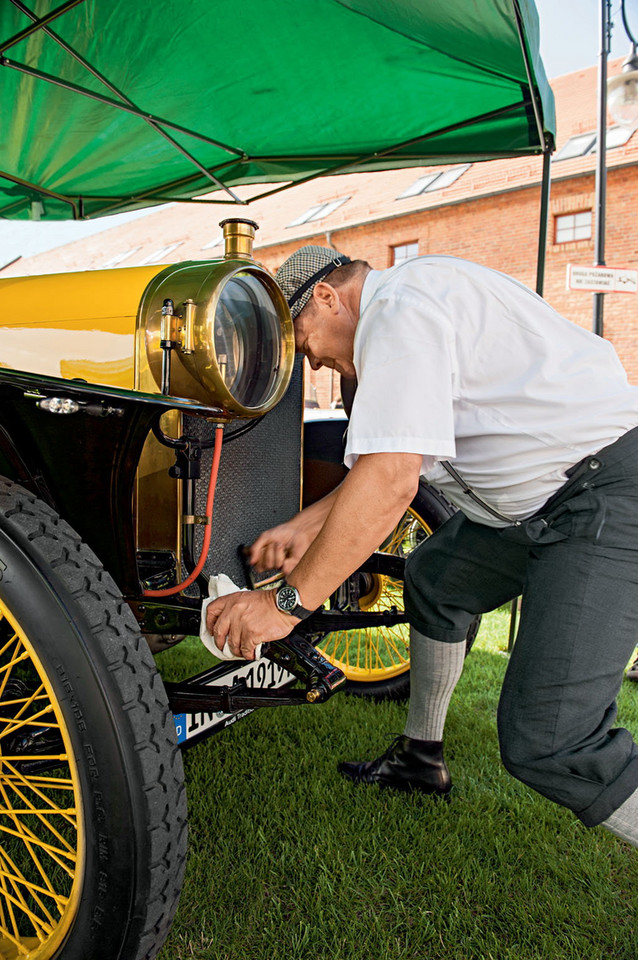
<point x="132" y="401"/>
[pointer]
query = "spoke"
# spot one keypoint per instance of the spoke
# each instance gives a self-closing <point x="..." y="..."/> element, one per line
<point x="14" y="638"/>
<point x="64" y="783"/>
<point x="18" y="644"/>
<point x="18" y="876"/>
<point x="9" y="666"/>
<point x="18" y="941"/>
<point x="21" y="757"/>
<point x="42" y="818"/>
<point x="16" y="724"/>
<point x="391" y="646"/>
<point x="38" y="693"/>
<point x="10" y="703"/>
<point x="346" y="652"/>
<point x="28" y="837"/>
<point x="29" y="847"/>
<point x="34" y="889"/>
<point x="6" y="896"/>
<point x="16" y="879"/>
<point x="32" y="853"/>
<point x="372" y="646"/>
<point x="42" y="796"/>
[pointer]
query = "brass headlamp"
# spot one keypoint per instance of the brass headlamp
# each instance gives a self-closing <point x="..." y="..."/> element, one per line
<point x="227" y="332"/>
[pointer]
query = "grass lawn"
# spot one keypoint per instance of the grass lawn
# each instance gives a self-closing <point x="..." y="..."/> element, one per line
<point x="288" y="860"/>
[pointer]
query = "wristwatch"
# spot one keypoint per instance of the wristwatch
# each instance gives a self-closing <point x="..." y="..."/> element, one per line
<point x="288" y="601"/>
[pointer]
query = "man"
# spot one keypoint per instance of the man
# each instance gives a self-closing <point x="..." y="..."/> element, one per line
<point x="457" y="362"/>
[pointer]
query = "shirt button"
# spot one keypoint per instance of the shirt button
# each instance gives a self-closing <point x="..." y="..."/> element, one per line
<point x="594" y="464"/>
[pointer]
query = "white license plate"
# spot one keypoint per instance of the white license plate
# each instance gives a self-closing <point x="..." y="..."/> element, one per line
<point x="259" y="674"/>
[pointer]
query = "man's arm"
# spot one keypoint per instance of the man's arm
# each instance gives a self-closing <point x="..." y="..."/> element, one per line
<point x="364" y="510"/>
<point x="369" y="504"/>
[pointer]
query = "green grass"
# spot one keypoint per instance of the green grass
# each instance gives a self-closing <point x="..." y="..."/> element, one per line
<point x="289" y="860"/>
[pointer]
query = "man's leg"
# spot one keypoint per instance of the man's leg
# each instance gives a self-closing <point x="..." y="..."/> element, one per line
<point x="578" y="628"/>
<point x="462" y="570"/>
<point x="435" y="668"/>
<point x="624" y="821"/>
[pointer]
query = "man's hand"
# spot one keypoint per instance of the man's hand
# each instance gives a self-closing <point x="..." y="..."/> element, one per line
<point x="246" y="619"/>
<point x="282" y="547"/>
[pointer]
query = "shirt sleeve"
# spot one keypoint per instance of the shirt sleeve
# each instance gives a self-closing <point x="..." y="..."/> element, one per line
<point x="405" y="360"/>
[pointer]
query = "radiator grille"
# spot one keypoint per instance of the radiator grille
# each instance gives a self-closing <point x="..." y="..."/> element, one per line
<point x="259" y="479"/>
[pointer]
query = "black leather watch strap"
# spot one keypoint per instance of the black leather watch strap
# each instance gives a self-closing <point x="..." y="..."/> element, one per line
<point x="287" y="601"/>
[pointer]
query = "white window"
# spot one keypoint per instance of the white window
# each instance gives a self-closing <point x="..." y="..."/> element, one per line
<point x="586" y="143"/>
<point x="120" y="257"/>
<point x="618" y="136"/>
<point x="159" y="255"/>
<point x="573" y="226"/>
<point x="319" y="211"/>
<point x="578" y="146"/>
<point x="403" y="251"/>
<point x="434" y="181"/>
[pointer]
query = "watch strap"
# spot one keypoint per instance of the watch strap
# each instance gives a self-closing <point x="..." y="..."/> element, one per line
<point x="297" y="611"/>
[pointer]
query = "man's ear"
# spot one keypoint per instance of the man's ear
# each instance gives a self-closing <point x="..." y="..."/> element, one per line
<point x="326" y="296"/>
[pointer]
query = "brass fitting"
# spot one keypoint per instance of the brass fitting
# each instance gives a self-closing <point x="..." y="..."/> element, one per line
<point x="188" y="340"/>
<point x="239" y="236"/>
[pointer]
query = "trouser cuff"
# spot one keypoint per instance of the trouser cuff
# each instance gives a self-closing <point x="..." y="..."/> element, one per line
<point x="437" y="632"/>
<point x="612" y="796"/>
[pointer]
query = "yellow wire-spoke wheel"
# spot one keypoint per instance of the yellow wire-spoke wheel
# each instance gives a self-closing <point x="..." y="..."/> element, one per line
<point x="92" y="801"/>
<point x="41" y="824"/>
<point x="379" y="653"/>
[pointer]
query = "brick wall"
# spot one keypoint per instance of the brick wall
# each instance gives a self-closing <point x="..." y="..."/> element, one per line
<point x="501" y="231"/>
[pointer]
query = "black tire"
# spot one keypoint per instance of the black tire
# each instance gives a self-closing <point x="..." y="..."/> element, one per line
<point x="389" y="677"/>
<point x="99" y="869"/>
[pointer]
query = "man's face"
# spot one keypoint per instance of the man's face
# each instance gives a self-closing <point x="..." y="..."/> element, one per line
<point x="324" y="337"/>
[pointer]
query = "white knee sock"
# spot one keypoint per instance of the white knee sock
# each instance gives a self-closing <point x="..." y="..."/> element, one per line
<point x="624" y="821"/>
<point x="435" y="667"/>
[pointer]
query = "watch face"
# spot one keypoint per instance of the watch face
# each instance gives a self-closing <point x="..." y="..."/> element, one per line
<point x="286" y="598"/>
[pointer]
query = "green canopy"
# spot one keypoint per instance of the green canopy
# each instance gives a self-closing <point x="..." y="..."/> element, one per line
<point x="111" y="105"/>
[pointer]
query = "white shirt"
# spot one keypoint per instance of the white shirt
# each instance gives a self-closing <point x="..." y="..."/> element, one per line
<point x="456" y="361"/>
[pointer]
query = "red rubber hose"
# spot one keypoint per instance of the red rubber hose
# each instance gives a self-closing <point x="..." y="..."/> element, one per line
<point x="210" y="499"/>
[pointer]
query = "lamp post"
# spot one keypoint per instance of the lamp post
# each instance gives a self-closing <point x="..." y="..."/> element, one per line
<point x="601" y="158"/>
<point x="623" y="106"/>
<point x="623" y="89"/>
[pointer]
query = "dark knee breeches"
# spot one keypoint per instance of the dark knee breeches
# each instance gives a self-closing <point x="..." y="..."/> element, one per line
<point x="576" y="565"/>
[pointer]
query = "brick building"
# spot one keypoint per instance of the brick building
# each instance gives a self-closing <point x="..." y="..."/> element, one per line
<point x="487" y="212"/>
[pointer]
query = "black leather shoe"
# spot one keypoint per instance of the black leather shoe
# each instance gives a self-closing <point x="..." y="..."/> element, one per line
<point x="406" y="765"/>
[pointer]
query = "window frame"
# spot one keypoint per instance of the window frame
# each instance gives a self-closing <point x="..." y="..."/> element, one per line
<point x="558" y="228"/>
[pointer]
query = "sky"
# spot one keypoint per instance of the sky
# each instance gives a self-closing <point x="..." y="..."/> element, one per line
<point x="570" y="34"/>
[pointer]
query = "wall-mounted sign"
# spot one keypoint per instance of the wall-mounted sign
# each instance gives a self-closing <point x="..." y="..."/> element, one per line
<point x="602" y="279"/>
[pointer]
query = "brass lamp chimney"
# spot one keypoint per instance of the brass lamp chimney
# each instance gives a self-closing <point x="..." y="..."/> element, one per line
<point x="239" y="236"/>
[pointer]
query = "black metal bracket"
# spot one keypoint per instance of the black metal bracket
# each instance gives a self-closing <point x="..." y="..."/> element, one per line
<point x="294" y="653"/>
<point x="182" y="614"/>
<point x="187" y="460"/>
<point x="172" y="616"/>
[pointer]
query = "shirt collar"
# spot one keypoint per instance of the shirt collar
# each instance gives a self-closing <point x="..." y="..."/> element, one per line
<point x="370" y="285"/>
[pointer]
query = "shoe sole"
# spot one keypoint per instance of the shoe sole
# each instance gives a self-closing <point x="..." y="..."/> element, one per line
<point x="399" y="788"/>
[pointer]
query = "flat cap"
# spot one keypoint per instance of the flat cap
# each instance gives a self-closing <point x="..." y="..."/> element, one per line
<point x="298" y="275"/>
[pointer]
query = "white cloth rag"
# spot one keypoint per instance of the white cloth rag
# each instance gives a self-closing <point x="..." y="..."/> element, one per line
<point x="219" y="586"/>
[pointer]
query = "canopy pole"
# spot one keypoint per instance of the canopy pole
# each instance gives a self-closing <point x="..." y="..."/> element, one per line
<point x="543" y="222"/>
<point x="540" y="282"/>
<point x="530" y="79"/>
<point x="41" y="190"/>
<point x="39" y="23"/>
<point x="601" y="161"/>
